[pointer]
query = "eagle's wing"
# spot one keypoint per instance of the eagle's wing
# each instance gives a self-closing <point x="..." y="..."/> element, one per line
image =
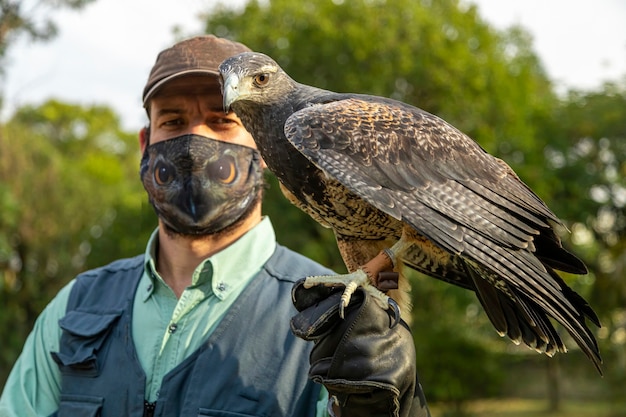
<point x="421" y="170"/>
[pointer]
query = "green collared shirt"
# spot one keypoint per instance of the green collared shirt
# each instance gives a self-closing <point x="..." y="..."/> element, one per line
<point x="166" y="330"/>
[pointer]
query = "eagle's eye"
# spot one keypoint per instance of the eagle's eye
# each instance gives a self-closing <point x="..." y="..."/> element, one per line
<point x="261" y="79"/>
<point x="223" y="169"/>
<point x="163" y="173"/>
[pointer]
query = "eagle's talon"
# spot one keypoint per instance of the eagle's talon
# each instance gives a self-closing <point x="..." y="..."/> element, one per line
<point x="346" y="296"/>
<point x="341" y="309"/>
<point x="393" y="306"/>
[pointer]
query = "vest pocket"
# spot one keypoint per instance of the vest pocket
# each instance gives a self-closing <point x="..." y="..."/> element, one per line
<point x="80" y="406"/>
<point x="82" y="341"/>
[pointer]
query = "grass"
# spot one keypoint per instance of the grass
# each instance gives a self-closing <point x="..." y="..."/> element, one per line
<point x="530" y="408"/>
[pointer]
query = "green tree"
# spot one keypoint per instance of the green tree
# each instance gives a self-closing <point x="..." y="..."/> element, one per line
<point x="30" y="18"/>
<point x="588" y="158"/>
<point x="68" y="176"/>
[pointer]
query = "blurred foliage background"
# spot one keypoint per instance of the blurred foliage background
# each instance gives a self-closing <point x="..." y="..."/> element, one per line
<point x="70" y="197"/>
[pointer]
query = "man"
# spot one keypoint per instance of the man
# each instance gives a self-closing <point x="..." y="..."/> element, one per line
<point x="199" y="324"/>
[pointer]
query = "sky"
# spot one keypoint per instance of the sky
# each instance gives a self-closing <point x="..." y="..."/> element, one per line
<point x="103" y="54"/>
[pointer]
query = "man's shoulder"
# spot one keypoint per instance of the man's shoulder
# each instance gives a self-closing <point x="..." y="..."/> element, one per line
<point x="287" y="265"/>
<point x="119" y="265"/>
<point x="111" y="276"/>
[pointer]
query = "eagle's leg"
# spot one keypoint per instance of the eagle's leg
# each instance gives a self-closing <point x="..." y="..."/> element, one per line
<point x="351" y="282"/>
<point x="375" y="276"/>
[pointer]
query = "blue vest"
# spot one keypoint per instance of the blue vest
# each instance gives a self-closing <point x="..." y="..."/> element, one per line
<point x="251" y="365"/>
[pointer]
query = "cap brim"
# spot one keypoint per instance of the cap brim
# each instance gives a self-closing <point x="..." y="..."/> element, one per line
<point x="167" y="79"/>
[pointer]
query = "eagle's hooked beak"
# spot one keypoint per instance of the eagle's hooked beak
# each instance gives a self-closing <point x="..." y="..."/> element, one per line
<point x="230" y="90"/>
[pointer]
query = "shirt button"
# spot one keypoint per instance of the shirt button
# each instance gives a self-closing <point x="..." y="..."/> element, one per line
<point x="221" y="286"/>
<point x="149" y="288"/>
<point x="172" y="327"/>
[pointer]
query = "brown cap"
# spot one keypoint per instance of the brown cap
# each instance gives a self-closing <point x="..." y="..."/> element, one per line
<point x="199" y="55"/>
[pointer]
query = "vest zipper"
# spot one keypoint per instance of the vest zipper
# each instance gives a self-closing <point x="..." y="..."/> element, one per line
<point x="148" y="409"/>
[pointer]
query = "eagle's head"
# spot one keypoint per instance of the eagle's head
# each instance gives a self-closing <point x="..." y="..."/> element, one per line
<point x="254" y="78"/>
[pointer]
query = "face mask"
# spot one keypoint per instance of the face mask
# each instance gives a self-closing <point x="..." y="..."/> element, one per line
<point x="198" y="185"/>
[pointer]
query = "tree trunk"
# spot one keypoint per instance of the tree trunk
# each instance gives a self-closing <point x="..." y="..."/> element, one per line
<point x="553" y="384"/>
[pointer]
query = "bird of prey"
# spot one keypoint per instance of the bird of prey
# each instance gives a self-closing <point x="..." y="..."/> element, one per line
<point x="398" y="185"/>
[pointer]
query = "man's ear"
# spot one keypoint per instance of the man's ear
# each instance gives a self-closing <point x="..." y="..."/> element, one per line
<point x="144" y="138"/>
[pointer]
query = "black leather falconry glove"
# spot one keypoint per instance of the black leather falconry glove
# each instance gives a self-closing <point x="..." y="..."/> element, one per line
<point x="365" y="361"/>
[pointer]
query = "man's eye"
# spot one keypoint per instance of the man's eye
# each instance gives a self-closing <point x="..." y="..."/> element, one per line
<point x="173" y="122"/>
<point x="222" y="123"/>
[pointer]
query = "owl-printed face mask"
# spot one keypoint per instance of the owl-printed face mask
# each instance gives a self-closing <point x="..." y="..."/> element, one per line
<point x="198" y="185"/>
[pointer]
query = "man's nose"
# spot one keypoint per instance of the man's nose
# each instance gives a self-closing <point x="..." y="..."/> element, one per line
<point x="202" y="130"/>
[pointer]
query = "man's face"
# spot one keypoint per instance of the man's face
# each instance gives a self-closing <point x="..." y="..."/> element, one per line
<point x="193" y="105"/>
<point x="201" y="175"/>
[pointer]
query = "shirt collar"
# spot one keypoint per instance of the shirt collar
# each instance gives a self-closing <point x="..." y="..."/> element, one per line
<point x="227" y="271"/>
